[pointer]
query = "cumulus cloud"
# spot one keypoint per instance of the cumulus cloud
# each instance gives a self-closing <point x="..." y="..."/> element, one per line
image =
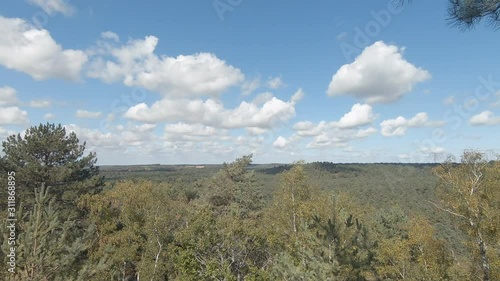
<point x="363" y="133"/>
<point x="40" y="103"/>
<point x="360" y="114"/>
<point x="399" y="125"/>
<point x="484" y="118"/>
<point x="309" y="129"/>
<point x="328" y="140"/>
<point x="192" y="132"/>
<point x="87" y="114"/>
<point x="338" y="133"/>
<point x="379" y="74"/>
<point x="136" y="64"/>
<point x="254" y="131"/>
<point x="8" y="96"/>
<point x="432" y="150"/>
<point x="179" y="143"/>
<point x="190" y="129"/>
<point x="275" y="83"/>
<point x="335" y="137"/>
<point x="31" y="50"/>
<point x="122" y="138"/>
<point x="94" y="137"/>
<point x="109" y="35"/>
<point x="211" y="112"/>
<point x="13" y="116"/>
<point x="54" y="6"/>
<point x="281" y="143"/>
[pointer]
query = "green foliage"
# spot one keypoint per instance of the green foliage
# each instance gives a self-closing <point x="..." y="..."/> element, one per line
<point x="47" y="155"/>
<point x="390" y="223"/>
<point x="233" y="188"/>
<point x="319" y="221"/>
<point x="465" y="14"/>
<point x="416" y="255"/>
<point x="135" y="223"/>
<point x="470" y="193"/>
<point x="47" y="249"/>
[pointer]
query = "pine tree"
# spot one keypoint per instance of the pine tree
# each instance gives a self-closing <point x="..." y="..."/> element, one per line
<point x="48" y="155"/>
<point x="46" y="248"/>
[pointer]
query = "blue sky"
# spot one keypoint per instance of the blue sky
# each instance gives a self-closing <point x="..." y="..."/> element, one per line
<point x="208" y="81"/>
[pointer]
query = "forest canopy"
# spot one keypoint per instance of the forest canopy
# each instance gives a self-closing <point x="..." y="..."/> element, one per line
<point x="239" y="221"/>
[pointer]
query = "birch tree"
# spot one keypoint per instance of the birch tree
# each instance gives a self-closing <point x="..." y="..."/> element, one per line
<point x="470" y="192"/>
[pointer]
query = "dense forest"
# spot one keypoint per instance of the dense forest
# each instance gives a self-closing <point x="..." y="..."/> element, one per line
<point x="241" y="221"/>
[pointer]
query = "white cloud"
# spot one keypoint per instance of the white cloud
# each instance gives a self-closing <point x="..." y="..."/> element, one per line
<point x="298" y="96"/>
<point x="94" y="137"/>
<point x="484" y="118"/>
<point x="123" y="138"/>
<point x="328" y="140"/>
<point x="87" y="114"/>
<point x="135" y="64"/>
<point x="404" y="156"/>
<point x="250" y="85"/>
<point x="28" y="49"/>
<point x="49" y="116"/>
<point x="40" y="103"/>
<point x="379" y="75"/>
<point x="254" y="131"/>
<point x="110" y="36"/>
<point x="360" y="114"/>
<point x="275" y="83"/>
<point x="201" y="135"/>
<point x="399" y="125"/>
<point x="13" y="116"/>
<point x="433" y="150"/>
<point x="363" y="133"/>
<point x="190" y="129"/>
<point x="334" y="137"/>
<point x="271" y="113"/>
<point x="338" y="133"/>
<point x="54" y="6"/>
<point x="262" y="98"/>
<point x="304" y="126"/>
<point x="180" y="143"/>
<point x="8" y="96"/>
<point x="309" y="129"/>
<point x="281" y="143"/>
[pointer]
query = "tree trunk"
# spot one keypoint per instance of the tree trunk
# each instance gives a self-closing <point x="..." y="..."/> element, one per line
<point x="485" y="263"/>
